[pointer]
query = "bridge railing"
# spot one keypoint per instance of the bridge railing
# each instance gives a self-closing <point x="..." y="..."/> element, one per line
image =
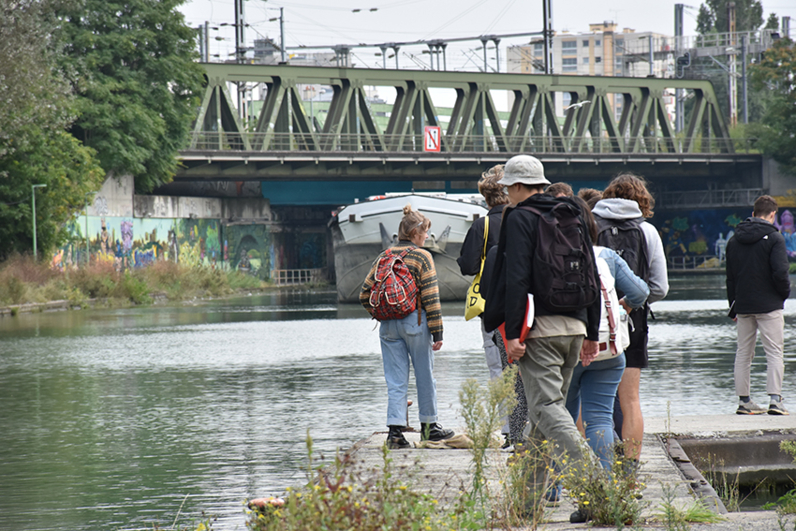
<point x="292" y="277"/>
<point x="694" y="263"/>
<point x="472" y="143"/>
<point x="761" y="37"/>
<point x="708" y="198"/>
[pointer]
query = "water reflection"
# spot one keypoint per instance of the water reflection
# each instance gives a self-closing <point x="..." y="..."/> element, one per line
<point x="111" y="417"/>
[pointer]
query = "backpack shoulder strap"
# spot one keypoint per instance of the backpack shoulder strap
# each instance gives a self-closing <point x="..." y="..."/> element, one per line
<point x="419" y="299"/>
<point x="486" y="237"/>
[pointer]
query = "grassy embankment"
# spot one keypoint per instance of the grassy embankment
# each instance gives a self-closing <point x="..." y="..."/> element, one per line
<point x="23" y="281"/>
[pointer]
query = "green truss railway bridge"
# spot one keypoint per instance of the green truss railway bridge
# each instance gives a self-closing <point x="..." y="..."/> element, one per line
<point x="295" y="124"/>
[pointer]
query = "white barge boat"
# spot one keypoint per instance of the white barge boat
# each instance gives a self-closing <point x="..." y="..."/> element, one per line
<point x="361" y="231"/>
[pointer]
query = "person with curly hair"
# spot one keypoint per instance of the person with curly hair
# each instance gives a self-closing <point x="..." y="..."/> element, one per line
<point x="624" y="206"/>
<point x="470" y="264"/>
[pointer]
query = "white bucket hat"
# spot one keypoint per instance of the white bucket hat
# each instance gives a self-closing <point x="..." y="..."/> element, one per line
<point x="523" y="169"/>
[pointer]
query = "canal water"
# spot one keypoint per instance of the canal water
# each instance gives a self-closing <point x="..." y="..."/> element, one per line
<point x="119" y="419"/>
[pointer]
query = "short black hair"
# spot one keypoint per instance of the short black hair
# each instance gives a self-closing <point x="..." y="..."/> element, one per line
<point x="764" y="205"/>
<point x="539" y="188"/>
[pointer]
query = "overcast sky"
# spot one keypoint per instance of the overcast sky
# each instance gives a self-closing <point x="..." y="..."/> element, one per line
<point x="325" y="22"/>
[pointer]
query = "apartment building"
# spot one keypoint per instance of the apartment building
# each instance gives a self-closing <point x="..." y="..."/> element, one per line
<point x="603" y="51"/>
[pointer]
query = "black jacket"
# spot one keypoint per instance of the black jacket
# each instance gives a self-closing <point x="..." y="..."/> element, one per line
<point x="512" y="277"/>
<point x="470" y="256"/>
<point x="757" y="268"/>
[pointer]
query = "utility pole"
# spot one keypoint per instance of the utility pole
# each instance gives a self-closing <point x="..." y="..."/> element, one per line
<point x="281" y="19"/>
<point x="733" y="85"/>
<point x="239" y="55"/>
<point x="547" y="17"/>
<point x="206" y="49"/>
<point x="679" y="104"/>
<point x="484" y="40"/>
<point x="33" y="195"/>
<point x="743" y="80"/>
<point x="239" y="36"/>
<point x="281" y="32"/>
<point x="383" y="49"/>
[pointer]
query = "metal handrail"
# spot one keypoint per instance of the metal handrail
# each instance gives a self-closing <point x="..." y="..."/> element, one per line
<point x="693" y="263"/>
<point x="472" y="143"/>
<point x="292" y="277"/>
<point x="708" y="198"/>
<point x="763" y="37"/>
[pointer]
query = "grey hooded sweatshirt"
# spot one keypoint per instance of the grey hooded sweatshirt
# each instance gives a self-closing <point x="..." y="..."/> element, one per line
<point x="615" y="208"/>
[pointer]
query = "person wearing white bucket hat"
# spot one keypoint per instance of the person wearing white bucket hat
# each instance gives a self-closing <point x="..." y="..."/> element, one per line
<point x="523" y="169"/>
<point x="559" y="337"/>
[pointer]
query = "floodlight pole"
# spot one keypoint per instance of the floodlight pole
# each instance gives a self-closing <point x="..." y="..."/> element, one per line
<point x="33" y="195"/>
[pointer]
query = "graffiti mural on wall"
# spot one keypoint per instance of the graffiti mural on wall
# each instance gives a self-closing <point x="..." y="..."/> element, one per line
<point x="704" y="233"/>
<point x="247" y="249"/>
<point x="131" y="243"/>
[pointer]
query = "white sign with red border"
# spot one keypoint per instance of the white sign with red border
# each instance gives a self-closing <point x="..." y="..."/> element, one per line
<point x="432" y="135"/>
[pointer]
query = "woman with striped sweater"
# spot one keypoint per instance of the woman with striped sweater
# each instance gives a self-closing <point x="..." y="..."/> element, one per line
<point x="411" y="338"/>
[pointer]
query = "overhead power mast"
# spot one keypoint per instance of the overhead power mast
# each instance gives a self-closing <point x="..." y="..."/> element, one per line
<point x="731" y="53"/>
<point x="547" y="16"/>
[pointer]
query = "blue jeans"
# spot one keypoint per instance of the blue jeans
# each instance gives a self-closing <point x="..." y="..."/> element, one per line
<point x="402" y="340"/>
<point x="591" y="393"/>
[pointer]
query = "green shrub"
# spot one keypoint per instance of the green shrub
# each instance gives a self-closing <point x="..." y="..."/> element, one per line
<point x="96" y="280"/>
<point x="678" y="519"/>
<point x="786" y="504"/>
<point x="14" y="291"/>
<point x="341" y="498"/>
<point x="613" y="497"/>
<point x="132" y="288"/>
<point x="24" y="280"/>
<point x="238" y="280"/>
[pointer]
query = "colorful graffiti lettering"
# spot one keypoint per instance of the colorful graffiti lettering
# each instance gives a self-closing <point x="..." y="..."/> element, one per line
<point x="133" y="243"/>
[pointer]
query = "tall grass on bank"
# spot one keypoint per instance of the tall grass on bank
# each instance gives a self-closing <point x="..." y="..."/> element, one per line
<point x="23" y="280"/>
<point x="342" y="496"/>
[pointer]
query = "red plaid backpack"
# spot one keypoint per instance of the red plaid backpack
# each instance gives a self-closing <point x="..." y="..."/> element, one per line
<point x="394" y="294"/>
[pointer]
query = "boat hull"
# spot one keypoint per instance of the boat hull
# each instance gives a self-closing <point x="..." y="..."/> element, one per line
<point x="360" y="232"/>
<point x="352" y="263"/>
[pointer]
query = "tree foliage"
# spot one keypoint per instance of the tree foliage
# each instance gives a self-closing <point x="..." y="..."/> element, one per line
<point x="35" y="108"/>
<point x="69" y="170"/>
<point x="772" y="22"/>
<point x="131" y="65"/>
<point x="713" y="16"/>
<point x="33" y="93"/>
<point x="776" y="75"/>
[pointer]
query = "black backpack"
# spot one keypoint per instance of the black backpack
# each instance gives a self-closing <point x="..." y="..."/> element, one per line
<point x="626" y="237"/>
<point x="563" y="269"/>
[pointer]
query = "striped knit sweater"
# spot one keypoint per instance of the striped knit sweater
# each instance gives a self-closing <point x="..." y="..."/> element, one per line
<point x="421" y="265"/>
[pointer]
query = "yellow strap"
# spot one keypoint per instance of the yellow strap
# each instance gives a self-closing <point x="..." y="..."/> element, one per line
<point x="486" y="235"/>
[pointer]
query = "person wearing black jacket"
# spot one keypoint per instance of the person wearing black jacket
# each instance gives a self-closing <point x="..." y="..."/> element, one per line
<point x="757" y="286"/>
<point x="496" y="199"/>
<point x="473" y="251"/>
<point x="556" y="342"/>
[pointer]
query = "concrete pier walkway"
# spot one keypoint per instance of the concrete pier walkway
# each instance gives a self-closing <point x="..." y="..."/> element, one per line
<point x="443" y="473"/>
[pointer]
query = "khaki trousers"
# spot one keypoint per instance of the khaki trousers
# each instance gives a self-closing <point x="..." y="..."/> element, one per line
<point x="771" y="327"/>
<point x="546" y="370"/>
